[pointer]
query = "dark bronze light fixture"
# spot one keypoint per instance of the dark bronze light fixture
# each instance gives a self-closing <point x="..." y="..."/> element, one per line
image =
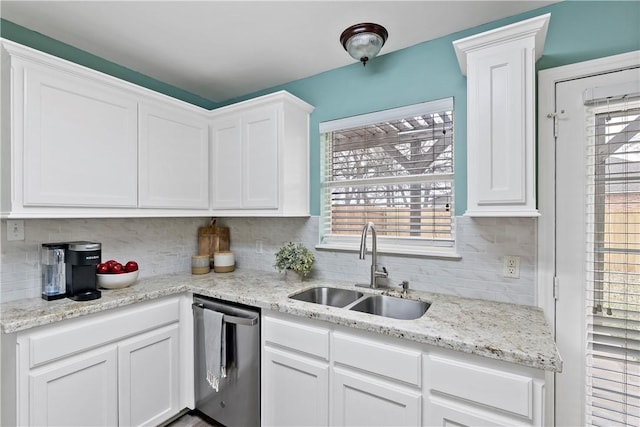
<point x="364" y="41"/>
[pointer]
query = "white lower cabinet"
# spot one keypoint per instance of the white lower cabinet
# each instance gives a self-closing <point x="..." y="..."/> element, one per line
<point x="148" y="377"/>
<point x="296" y="390"/>
<point x="124" y="367"/>
<point x="374" y="381"/>
<point x="78" y="391"/>
<point x="295" y="373"/>
<point x="363" y="400"/>
<point x="447" y="413"/>
<point x="319" y="373"/>
<point x="464" y="390"/>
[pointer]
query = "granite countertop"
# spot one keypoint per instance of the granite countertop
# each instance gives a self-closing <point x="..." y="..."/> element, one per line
<point x="508" y="332"/>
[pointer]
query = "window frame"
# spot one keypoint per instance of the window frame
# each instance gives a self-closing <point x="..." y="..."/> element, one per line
<point x="387" y="244"/>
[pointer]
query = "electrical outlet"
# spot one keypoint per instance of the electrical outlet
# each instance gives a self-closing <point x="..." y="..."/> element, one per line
<point x="15" y="229"/>
<point x="511" y="267"/>
<point x="259" y="249"/>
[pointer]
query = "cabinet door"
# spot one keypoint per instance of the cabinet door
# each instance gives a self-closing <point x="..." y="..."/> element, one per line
<point x="80" y="142"/>
<point x="295" y="390"/>
<point x="451" y="414"/>
<point x="360" y="400"/>
<point x="498" y="171"/>
<point x="174" y="158"/>
<point x="500" y="68"/>
<point x="148" y="377"/>
<point x="78" y="391"/>
<point x="226" y="163"/>
<point x="260" y="168"/>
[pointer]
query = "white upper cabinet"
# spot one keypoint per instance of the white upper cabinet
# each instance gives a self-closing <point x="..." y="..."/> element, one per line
<point x="76" y="134"/>
<point x="73" y="141"/>
<point x="500" y="69"/>
<point x="79" y="143"/>
<point x="226" y="150"/>
<point x="260" y="157"/>
<point x="245" y="160"/>
<point x="174" y="158"/>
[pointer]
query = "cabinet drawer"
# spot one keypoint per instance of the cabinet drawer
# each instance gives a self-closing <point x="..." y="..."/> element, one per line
<point x="503" y="390"/>
<point x="57" y="341"/>
<point x="443" y="412"/>
<point x="304" y="338"/>
<point x="394" y="362"/>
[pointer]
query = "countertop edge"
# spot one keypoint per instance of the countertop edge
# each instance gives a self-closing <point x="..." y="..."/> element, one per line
<point x="312" y="311"/>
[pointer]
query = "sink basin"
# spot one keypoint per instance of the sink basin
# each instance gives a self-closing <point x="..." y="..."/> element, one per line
<point x="335" y="297"/>
<point x="397" y="308"/>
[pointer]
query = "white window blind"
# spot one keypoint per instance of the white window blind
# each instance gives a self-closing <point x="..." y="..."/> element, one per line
<point x="395" y="169"/>
<point x="613" y="263"/>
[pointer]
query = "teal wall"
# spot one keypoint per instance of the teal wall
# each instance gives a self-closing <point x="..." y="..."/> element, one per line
<point x="578" y="31"/>
<point x="26" y="37"/>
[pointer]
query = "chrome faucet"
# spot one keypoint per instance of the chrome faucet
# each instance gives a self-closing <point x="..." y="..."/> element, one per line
<point x="375" y="273"/>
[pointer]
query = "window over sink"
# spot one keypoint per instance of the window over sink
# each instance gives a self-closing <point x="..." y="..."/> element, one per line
<point x="394" y="168"/>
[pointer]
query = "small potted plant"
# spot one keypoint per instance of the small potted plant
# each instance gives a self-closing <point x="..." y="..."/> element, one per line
<point x="295" y="260"/>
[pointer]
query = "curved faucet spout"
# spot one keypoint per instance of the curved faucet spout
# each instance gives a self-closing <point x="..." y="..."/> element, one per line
<point x="375" y="273"/>
<point x="363" y="239"/>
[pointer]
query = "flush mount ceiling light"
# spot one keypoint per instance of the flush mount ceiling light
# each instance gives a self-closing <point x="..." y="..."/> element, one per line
<point x="363" y="41"/>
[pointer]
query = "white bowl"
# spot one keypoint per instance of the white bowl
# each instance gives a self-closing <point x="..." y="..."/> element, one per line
<point x="117" y="281"/>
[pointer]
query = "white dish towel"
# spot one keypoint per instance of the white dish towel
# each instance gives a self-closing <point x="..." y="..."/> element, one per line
<point x="215" y="351"/>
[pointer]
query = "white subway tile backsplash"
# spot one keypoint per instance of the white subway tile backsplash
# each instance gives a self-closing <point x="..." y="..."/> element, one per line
<point x="160" y="245"/>
<point x="165" y="246"/>
<point x="482" y="242"/>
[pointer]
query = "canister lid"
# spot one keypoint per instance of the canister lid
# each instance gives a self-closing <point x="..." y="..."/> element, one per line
<point x="84" y="246"/>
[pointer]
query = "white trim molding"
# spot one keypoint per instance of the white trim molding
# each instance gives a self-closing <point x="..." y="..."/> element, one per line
<point x="536" y="27"/>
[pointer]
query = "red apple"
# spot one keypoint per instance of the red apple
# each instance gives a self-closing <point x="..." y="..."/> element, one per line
<point x="131" y="266"/>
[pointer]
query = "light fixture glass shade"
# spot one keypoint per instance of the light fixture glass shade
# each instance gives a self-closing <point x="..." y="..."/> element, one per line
<point x="364" y="45"/>
<point x="364" y="41"/>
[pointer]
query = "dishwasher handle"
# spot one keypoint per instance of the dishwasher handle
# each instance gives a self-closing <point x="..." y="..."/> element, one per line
<point x="237" y="320"/>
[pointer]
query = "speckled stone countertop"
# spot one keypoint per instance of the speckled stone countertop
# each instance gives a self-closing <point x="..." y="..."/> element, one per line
<point x="508" y="332"/>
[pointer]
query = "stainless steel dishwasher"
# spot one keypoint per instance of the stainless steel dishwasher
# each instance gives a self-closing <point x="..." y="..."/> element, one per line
<point x="237" y="401"/>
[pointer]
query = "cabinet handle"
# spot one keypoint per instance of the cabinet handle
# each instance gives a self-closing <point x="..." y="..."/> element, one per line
<point x="236" y="320"/>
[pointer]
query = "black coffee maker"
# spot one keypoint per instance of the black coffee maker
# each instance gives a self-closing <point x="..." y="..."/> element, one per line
<point x="81" y="260"/>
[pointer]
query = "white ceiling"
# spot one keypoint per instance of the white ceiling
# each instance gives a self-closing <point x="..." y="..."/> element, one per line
<point x="224" y="49"/>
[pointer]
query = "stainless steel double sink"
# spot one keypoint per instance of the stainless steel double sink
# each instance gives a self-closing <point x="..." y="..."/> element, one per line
<point x="379" y="305"/>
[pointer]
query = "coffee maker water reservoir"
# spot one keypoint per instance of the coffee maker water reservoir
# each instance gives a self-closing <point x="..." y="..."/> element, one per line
<point x="53" y="271"/>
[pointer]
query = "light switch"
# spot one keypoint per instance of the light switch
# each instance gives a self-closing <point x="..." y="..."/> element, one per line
<point x="15" y="229"/>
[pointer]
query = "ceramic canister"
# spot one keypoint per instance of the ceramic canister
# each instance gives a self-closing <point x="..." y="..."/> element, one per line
<point x="200" y="264"/>
<point x="223" y="262"/>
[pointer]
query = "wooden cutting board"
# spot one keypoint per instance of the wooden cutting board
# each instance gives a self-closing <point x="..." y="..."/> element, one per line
<point x="213" y="239"/>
